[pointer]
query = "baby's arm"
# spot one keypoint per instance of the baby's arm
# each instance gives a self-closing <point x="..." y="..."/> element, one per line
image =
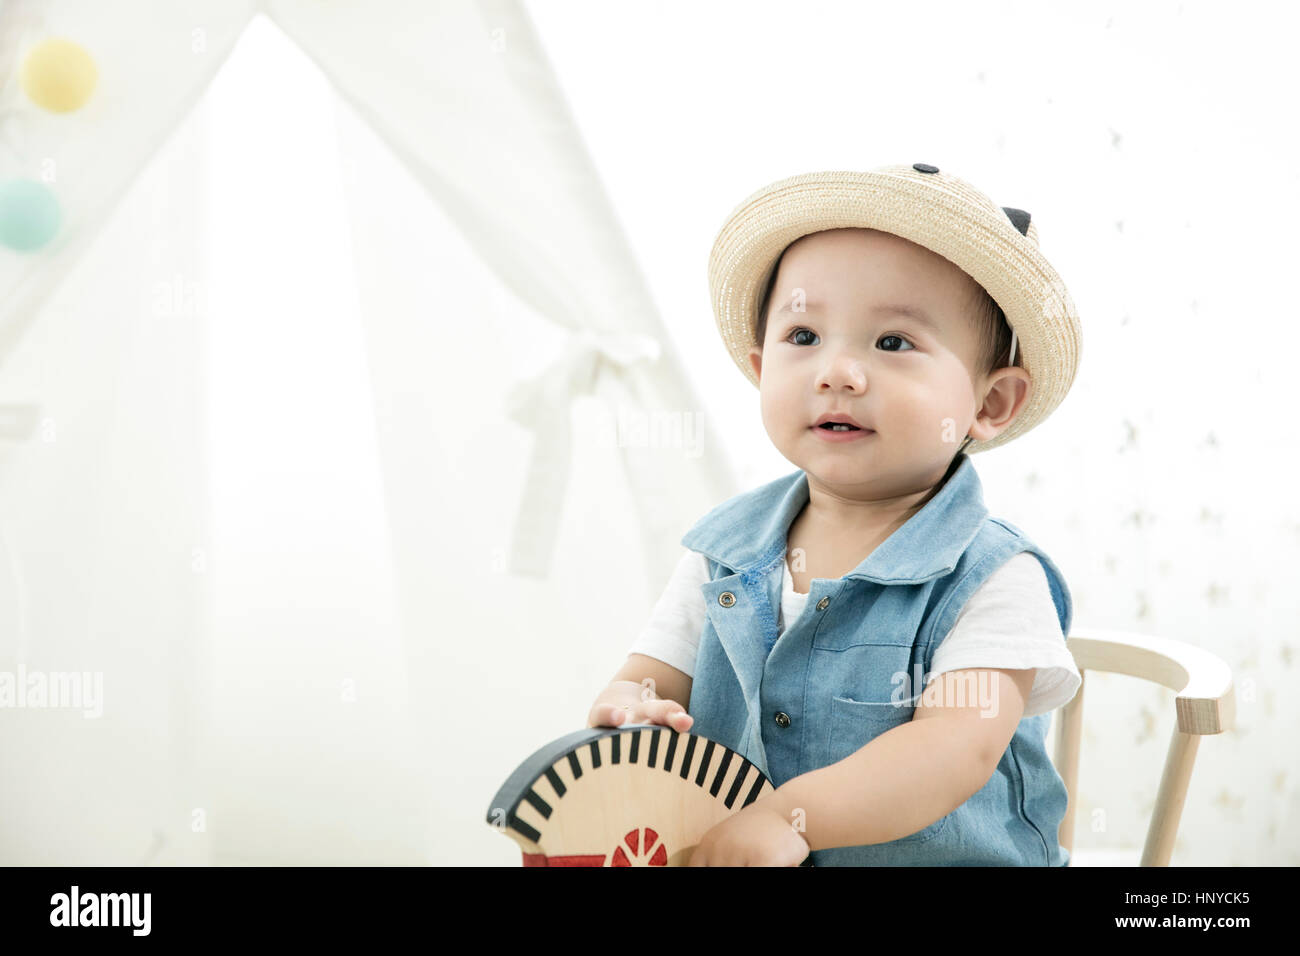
<point x="916" y="773"/>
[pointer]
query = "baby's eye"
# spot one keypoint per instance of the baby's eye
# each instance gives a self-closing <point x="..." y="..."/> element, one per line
<point x="882" y="339"/>
<point x="886" y="338"/>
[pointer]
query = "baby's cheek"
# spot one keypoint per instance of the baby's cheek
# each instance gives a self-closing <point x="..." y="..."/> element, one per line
<point x="776" y="422"/>
<point x="778" y="411"/>
<point x="916" y="408"/>
<point x="931" y="420"/>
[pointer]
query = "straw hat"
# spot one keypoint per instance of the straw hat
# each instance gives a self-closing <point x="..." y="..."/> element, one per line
<point x="996" y="246"/>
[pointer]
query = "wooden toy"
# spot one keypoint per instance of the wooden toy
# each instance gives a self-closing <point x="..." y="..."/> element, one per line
<point x="638" y="795"/>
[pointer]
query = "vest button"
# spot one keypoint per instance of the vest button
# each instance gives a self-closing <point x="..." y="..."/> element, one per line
<point x="726" y="599"/>
<point x="821" y="605"/>
<point x="782" y="719"/>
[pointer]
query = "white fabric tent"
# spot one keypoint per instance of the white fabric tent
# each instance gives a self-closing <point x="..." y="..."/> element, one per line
<point x="261" y="701"/>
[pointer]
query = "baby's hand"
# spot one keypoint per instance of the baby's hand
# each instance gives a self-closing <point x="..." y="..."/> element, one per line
<point x="628" y="703"/>
<point x="756" y="836"/>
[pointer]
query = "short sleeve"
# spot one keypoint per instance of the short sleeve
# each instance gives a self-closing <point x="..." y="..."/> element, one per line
<point x="672" y="634"/>
<point x="1010" y="623"/>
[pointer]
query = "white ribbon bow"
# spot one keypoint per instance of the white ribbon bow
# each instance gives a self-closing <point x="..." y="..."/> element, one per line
<point x="542" y="404"/>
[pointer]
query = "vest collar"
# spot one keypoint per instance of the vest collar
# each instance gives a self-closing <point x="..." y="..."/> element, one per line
<point x="927" y="546"/>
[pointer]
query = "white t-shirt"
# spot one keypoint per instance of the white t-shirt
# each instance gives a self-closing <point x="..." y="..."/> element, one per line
<point x="1009" y="622"/>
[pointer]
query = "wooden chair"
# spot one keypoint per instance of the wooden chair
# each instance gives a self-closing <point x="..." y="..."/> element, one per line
<point x="1205" y="705"/>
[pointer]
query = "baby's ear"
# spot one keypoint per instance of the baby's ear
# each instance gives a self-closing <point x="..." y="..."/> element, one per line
<point x="756" y="361"/>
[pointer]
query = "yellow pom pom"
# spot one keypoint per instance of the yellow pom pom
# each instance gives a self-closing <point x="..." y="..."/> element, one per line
<point x="59" y="75"/>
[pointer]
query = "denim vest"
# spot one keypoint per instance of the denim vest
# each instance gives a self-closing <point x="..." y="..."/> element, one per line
<point x="828" y="685"/>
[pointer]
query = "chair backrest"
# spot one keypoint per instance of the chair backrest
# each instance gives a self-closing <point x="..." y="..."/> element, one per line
<point x="1205" y="705"/>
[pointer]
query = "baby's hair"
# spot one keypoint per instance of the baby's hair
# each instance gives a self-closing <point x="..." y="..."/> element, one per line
<point x="994" y="337"/>
<point x="765" y="301"/>
<point x="995" y="341"/>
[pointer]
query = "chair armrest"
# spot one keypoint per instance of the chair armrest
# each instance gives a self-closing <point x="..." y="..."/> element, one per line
<point x="1206" y="702"/>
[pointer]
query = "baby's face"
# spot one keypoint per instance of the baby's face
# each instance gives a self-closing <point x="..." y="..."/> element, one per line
<point x="909" y="380"/>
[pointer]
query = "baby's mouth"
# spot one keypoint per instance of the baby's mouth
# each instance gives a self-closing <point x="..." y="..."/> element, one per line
<point x="837" y="427"/>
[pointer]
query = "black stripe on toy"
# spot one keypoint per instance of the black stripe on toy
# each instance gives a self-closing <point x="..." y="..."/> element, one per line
<point x="520" y="827"/>
<point x="690" y="752"/>
<point x="556" y="782"/>
<point x="704" y="763"/>
<point x="722" y="773"/>
<point x="741" y="774"/>
<point x="540" y="805"/>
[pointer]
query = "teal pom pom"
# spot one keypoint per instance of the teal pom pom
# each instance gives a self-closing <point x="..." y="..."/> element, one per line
<point x="29" y="214"/>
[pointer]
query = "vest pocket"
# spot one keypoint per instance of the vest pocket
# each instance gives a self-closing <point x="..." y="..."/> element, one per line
<point x="854" y="724"/>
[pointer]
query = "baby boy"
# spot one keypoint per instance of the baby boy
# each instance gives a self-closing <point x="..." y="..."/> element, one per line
<point x="862" y="630"/>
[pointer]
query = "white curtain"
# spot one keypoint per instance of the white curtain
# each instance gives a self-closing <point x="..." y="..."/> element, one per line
<point x="103" y="501"/>
<point x="297" y="465"/>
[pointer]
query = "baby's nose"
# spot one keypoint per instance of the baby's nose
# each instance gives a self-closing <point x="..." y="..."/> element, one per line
<point x="844" y="370"/>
